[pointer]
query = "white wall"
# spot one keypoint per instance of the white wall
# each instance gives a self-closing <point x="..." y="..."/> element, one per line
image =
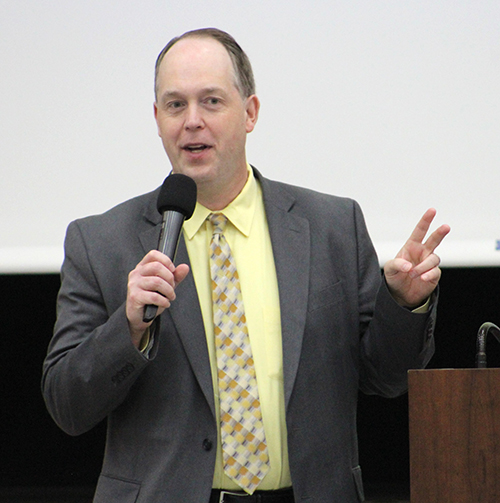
<point x="395" y="103"/>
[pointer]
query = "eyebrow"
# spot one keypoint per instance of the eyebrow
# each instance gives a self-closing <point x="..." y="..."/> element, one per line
<point x="167" y="95"/>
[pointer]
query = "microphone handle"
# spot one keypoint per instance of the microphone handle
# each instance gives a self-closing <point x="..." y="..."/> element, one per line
<point x="149" y="313"/>
<point x="169" y="239"/>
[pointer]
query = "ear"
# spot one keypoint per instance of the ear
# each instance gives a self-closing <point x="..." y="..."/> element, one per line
<point x="155" y="111"/>
<point x="252" y="111"/>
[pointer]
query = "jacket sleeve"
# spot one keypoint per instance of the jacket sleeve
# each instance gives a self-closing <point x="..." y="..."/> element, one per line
<point x="393" y="339"/>
<point x="91" y="362"/>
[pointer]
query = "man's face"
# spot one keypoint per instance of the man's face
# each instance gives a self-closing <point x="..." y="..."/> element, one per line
<point x="202" y="118"/>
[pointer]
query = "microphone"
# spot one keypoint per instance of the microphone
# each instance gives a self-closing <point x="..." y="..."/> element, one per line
<point x="484" y="329"/>
<point x="176" y="202"/>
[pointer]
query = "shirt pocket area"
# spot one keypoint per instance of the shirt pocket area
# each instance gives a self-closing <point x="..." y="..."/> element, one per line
<point x="328" y="296"/>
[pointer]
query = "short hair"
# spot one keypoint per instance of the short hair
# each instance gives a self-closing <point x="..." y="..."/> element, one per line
<point x="245" y="82"/>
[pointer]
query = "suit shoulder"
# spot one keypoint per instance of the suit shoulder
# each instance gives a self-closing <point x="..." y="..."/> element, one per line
<point x="128" y="212"/>
<point x="313" y="200"/>
<point x="120" y="220"/>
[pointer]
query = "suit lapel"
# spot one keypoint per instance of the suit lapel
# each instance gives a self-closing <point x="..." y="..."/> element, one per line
<point x="186" y="315"/>
<point x="185" y="311"/>
<point x="291" y="247"/>
<point x="150" y="233"/>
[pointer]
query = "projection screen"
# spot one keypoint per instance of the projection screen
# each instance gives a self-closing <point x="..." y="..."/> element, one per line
<point x="393" y="103"/>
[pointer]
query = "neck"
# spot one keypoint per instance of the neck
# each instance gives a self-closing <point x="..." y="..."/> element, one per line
<point x="217" y="198"/>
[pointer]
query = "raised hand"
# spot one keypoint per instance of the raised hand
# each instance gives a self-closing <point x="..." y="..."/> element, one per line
<point x="414" y="273"/>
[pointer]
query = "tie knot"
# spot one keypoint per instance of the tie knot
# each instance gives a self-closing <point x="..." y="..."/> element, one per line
<point x="218" y="221"/>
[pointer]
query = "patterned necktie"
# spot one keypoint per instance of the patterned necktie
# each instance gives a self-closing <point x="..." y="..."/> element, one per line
<point x="244" y="448"/>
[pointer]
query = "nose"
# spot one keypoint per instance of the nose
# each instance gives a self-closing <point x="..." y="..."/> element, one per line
<point x="194" y="119"/>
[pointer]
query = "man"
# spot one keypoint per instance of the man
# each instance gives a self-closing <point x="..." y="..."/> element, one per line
<point x="319" y="320"/>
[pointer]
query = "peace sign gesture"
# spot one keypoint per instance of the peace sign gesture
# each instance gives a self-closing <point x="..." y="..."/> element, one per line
<point x="414" y="274"/>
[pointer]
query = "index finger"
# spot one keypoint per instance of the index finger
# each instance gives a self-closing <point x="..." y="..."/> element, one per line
<point x="157" y="256"/>
<point x="436" y="237"/>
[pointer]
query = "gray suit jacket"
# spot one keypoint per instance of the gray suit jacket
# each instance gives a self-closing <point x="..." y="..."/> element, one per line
<point x="341" y="331"/>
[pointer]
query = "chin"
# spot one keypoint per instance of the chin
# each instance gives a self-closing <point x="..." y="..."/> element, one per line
<point x="200" y="174"/>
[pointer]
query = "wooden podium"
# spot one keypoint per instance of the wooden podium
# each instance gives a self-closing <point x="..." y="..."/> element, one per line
<point x="454" y="435"/>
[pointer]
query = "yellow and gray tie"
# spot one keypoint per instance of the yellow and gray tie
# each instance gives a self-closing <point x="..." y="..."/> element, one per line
<point x="244" y="448"/>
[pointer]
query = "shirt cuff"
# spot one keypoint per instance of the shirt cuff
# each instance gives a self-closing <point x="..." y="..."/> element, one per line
<point x="146" y="343"/>
<point x="424" y="308"/>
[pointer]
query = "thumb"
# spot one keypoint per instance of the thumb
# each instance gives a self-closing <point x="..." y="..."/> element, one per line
<point x="180" y="273"/>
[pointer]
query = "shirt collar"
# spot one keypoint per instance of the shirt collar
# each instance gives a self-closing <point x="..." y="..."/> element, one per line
<point x="240" y="211"/>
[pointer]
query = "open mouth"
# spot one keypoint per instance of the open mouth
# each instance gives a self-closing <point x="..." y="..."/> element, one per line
<point x="196" y="149"/>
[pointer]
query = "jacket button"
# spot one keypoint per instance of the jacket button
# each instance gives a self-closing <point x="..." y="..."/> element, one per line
<point x="207" y="444"/>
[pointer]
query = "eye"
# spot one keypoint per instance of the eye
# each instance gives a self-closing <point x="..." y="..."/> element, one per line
<point x="175" y="105"/>
<point x="213" y="101"/>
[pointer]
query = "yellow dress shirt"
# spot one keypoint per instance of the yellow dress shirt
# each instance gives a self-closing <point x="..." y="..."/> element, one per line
<point x="248" y="236"/>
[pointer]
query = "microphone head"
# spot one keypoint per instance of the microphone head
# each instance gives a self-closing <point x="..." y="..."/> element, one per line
<point x="178" y="193"/>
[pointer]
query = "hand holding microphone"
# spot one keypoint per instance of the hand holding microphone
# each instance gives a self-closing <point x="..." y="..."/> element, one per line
<point x="155" y="273"/>
<point x="176" y="202"/>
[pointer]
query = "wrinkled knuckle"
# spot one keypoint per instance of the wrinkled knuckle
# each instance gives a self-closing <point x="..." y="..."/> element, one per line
<point x="155" y="270"/>
<point x="155" y="283"/>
